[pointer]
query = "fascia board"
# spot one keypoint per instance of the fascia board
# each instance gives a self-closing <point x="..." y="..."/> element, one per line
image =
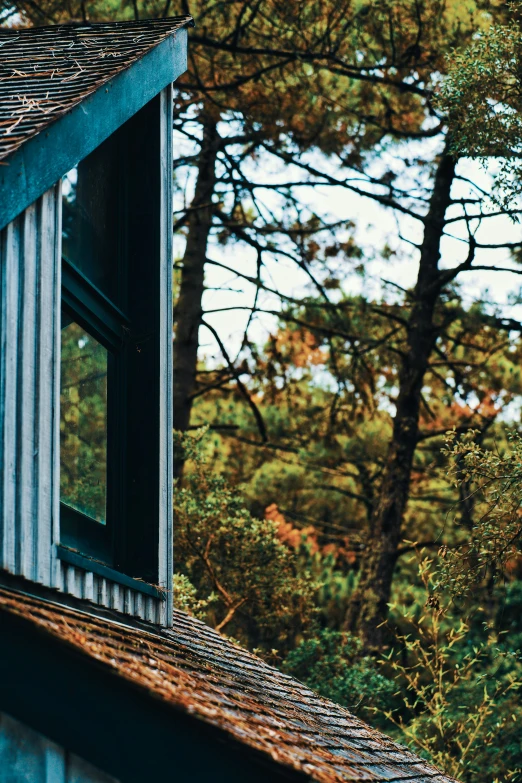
<point x="42" y="160"/>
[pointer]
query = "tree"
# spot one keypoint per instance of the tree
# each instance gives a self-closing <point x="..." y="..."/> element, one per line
<point x="382" y="120"/>
<point x="234" y="570"/>
<point x="326" y="396"/>
<point x="482" y="98"/>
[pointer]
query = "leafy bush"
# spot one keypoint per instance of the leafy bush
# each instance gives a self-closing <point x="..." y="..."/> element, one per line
<point x="460" y="691"/>
<point x="244" y="580"/>
<point x="332" y="663"/>
<point x="493" y="483"/>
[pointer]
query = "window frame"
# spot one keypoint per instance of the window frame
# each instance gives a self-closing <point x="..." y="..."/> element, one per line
<point x="95" y="313"/>
<point x="108" y="324"/>
<point x="141" y="520"/>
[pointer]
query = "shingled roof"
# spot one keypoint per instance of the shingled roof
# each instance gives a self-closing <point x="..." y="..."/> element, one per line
<point x="46" y="71"/>
<point x="193" y="668"/>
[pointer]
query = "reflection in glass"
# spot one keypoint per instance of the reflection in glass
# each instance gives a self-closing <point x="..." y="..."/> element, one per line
<point x="90" y="217"/>
<point x="83" y="422"/>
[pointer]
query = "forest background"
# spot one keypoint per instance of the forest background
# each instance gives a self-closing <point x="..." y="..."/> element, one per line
<point x="347" y="352"/>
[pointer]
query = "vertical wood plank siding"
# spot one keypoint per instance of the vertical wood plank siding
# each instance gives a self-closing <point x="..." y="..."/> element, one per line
<point x="29" y="365"/>
<point x="26" y="755"/>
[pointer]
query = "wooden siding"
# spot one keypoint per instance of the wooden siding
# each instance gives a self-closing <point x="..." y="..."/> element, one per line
<point x="29" y="757"/>
<point x="103" y="592"/>
<point x="165" y="560"/>
<point x="30" y="289"/>
<point x="30" y="252"/>
<point x="29" y="385"/>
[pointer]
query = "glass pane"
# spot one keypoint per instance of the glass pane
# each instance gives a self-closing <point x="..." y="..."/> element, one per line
<point x="90" y="218"/>
<point x="83" y="422"/>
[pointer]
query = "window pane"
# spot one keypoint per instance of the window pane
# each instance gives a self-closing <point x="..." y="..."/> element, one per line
<point x="90" y="218"/>
<point x="83" y="422"/>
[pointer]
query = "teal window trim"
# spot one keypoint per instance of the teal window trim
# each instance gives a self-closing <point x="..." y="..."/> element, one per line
<point x="109" y="325"/>
<point x="134" y="331"/>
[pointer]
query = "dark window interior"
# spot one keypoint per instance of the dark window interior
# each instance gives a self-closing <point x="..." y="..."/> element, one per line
<point x="109" y="439"/>
<point x="91" y="208"/>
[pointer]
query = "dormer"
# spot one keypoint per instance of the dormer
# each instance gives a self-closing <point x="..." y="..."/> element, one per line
<point x="86" y="310"/>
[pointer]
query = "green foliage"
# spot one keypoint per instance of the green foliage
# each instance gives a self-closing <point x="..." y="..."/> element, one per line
<point x="492" y="479"/>
<point x="186" y="597"/>
<point x="246" y="578"/>
<point x="482" y="98"/>
<point x="460" y="688"/>
<point x="334" y="665"/>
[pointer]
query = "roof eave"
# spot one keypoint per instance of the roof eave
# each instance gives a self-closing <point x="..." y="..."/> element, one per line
<point x="42" y="160"/>
<point x="116" y="724"/>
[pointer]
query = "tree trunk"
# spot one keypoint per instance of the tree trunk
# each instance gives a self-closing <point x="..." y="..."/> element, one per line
<point x="369" y="606"/>
<point x="188" y="310"/>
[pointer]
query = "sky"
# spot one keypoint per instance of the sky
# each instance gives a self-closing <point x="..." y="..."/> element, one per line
<point x="374" y="225"/>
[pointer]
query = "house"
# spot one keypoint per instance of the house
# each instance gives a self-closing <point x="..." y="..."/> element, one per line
<point x="100" y="678"/>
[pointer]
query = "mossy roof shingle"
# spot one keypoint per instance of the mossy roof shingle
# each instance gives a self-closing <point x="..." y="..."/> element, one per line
<point x="195" y="669"/>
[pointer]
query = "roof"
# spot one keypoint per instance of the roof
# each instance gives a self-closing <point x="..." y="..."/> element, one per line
<point x="46" y="71"/>
<point x="65" y="89"/>
<point x="194" y="669"/>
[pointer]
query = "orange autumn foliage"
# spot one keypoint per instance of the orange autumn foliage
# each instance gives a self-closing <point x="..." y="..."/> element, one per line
<point x="308" y="536"/>
<point x="300" y="347"/>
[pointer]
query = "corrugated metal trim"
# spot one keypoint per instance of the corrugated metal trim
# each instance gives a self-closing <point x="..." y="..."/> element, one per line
<point x="29" y="286"/>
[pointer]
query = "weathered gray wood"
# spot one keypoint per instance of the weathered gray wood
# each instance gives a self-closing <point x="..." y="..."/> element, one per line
<point x="48" y="471"/>
<point x="103" y="599"/>
<point x="138" y="605"/>
<point x="88" y="586"/>
<point x="28" y="364"/>
<point x="152" y="610"/>
<point x="10" y="272"/>
<point x="165" y="554"/>
<point x="26" y="518"/>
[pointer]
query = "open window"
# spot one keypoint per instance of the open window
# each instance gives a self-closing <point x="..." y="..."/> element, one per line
<point x="113" y="325"/>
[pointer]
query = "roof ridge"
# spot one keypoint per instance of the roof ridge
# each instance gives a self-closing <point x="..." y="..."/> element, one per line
<point x="182" y="18"/>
